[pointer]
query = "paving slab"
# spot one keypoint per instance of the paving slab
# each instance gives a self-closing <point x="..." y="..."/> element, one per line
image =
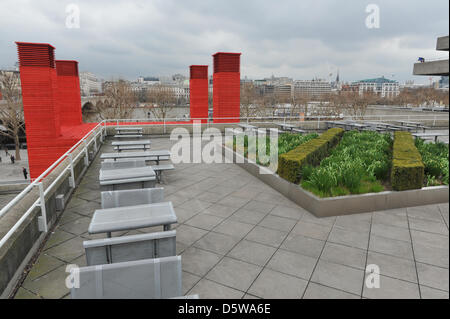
<point x="273" y="284"/>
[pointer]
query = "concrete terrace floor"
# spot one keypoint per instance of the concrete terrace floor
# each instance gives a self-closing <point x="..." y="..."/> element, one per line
<point x="239" y="238"/>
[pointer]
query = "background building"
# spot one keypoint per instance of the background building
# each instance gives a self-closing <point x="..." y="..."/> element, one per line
<point x="90" y="84"/>
<point x="382" y="87"/>
<point x="314" y="88"/>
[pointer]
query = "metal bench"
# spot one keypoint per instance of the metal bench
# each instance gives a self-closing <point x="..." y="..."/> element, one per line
<point x="131" y="148"/>
<point x="127" y="135"/>
<point x="132" y="197"/>
<point x="129" y="248"/>
<point x="161" y="168"/>
<point x="141" y="279"/>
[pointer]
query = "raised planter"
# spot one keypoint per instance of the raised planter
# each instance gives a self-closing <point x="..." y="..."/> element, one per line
<point x="345" y="205"/>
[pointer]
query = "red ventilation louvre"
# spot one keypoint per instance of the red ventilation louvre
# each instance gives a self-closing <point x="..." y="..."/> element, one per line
<point x="66" y="68"/>
<point x="36" y="54"/>
<point x="198" y="71"/>
<point x="226" y="87"/>
<point x="226" y="62"/>
<point x="198" y="87"/>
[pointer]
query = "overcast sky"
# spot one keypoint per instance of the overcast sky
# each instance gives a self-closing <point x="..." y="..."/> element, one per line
<point x="300" y="39"/>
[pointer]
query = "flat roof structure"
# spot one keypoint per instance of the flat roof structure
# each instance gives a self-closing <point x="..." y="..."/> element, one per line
<point x="240" y="238"/>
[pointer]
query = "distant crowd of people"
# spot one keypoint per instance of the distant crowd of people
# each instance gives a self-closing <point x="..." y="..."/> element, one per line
<point x="12" y="158"/>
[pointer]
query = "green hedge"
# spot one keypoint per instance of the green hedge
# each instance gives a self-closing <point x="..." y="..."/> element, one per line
<point x="407" y="166"/>
<point x="312" y="152"/>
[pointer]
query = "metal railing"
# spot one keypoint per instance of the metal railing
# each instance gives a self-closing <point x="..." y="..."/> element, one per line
<point x="101" y="127"/>
<point x="86" y="141"/>
<point x="316" y="119"/>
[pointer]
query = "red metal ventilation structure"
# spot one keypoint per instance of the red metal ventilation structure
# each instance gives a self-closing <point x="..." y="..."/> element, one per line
<point x="52" y="120"/>
<point x="198" y="92"/>
<point x="68" y="94"/>
<point x="226" y="87"/>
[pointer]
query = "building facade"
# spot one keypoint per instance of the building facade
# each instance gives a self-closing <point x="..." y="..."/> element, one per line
<point x="382" y="87"/>
<point x="90" y="84"/>
<point x="312" y="88"/>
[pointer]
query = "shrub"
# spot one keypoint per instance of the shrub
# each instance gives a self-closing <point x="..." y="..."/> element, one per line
<point x="407" y="166"/>
<point x="435" y="160"/>
<point x="312" y="152"/>
<point x="355" y="166"/>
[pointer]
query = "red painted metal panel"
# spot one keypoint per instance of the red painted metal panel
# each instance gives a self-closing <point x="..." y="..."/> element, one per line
<point x="198" y="92"/>
<point x="69" y="98"/>
<point x="226" y="87"/>
<point x="226" y="62"/>
<point x="50" y="100"/>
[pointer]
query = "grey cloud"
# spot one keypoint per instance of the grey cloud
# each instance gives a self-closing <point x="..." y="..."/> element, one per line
<point x="301" y="39"/>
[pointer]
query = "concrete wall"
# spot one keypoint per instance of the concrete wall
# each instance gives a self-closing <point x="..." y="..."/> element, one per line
<point x="26" y="240"/>
<point x="433" y="68"/>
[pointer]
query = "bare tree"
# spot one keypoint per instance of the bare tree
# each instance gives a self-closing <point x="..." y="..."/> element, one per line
<point x="358" y="103"/>
<point x="119" y="101"/>
<point x="248" y="98"/>
<point x="299" y="102"/>
<point x="162" y="99"/>
<point x="11" y="110"/>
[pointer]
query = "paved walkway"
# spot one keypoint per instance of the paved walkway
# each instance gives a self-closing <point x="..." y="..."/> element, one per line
<point x="13" y="172"/>
<point x="239" y="238"/>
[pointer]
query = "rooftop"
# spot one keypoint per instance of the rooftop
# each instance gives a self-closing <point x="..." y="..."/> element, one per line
<point x="377" y="80"/>
<point x="240" y="238"/>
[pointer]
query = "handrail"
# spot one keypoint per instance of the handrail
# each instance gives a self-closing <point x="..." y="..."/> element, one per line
<point x="40" y="201"/>
<point x="48" y="170"/>
<point x="309" y="118"/>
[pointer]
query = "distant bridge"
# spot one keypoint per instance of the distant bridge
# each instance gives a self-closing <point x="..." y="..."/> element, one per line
<point x="90" y="101"/>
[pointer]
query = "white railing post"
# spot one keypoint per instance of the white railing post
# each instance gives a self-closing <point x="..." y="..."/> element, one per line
<point x="95" y="143"/>
<point x="318" y="122"/>
<point x="86" y="153"/>
<point x="42" y="220"/>
<point x="164" y="126"/>
<point x="72" y="173"/>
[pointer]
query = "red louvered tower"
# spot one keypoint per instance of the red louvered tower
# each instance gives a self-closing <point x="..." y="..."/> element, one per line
<point x="226" y="87"/>
<point x="198" y="92"/>
<point x="51" y="121"/>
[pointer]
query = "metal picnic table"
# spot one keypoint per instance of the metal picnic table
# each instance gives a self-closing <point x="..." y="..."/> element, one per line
<point x="290" y="127"/>
<point x="417" y="125"/>
<point x="146" y="154"/>
<point x="247" y="127"/>
<point x="425" y="135"/>
<point x="129" y="130"/>
<point x="132" y="217"/>
<point x="126" y="173"/>
<point x="129" y="145"/>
